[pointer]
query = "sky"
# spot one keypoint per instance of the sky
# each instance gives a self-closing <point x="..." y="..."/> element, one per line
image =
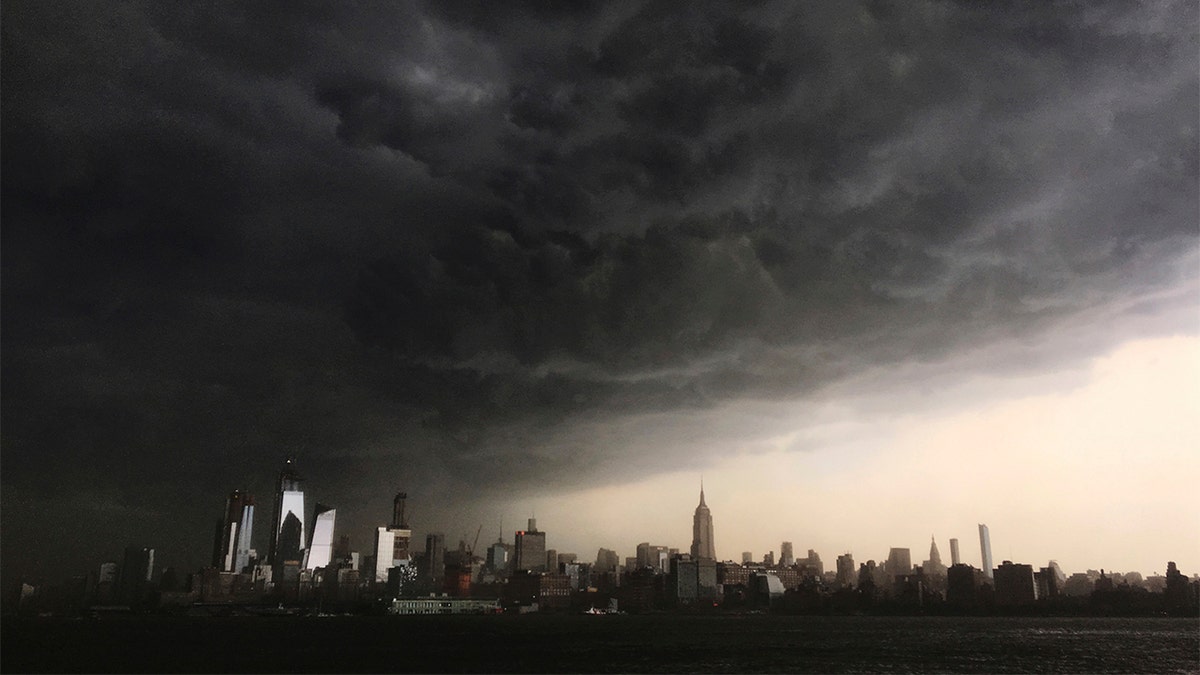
<point x="872" y="271"/>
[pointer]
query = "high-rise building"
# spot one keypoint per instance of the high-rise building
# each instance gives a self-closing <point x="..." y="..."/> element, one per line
<point x="320" y="549"/>
<point x="933" y="567"/>
<point x="650" y="555"/>
<point x="985" y="550"/>
<point x="289" y="500"/>
<point x="551" y="560"/>
<point x="607" y="560"/>
<point x="702" y="531"/>
<point x="231" y="551"/>
<point x="954" y="557"/>
<point x="530" y="549"/>
<point x="392" y="543"/>
<point x="435" y="555"/>
<point x="137" y="573"/>
<point x="786" y="558"/>
<point x="747" y="557"/>
<point x="1015" y="584"/>
<point x="899" y="561"/>
<point x="846" y="572"/>
<point x="498" y="556"/>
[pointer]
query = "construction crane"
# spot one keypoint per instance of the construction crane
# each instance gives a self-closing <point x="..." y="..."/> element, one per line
<point x="471" y="551"/>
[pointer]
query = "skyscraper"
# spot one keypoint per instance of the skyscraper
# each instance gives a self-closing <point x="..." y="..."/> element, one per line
<point x="846" y="574"/>
<point x="137" y="573"/>
<point x="320" y="549"/>
<point x="392" y="542"/>
<point x="786" y="558"/>
<point x="954" y="557"/>
<point x="933" y="567"/>
<point x="435" y="557"/>
<point x="702" y="531"/>
<point x="530" y="549"/>
<point x="289" y="499"/>
<point x="985" y="550"/>
<point x="231" y="551"/>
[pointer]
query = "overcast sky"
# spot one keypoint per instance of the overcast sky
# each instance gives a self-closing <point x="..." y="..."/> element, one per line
<point x="876" y="271"/>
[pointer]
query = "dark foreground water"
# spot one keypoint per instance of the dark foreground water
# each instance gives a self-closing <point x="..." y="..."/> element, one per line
<point x="633" y="644"/>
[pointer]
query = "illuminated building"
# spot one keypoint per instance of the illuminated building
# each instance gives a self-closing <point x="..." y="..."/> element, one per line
<point x="320" y="550"/>
<point x="231" y="552"/>
<point x="289" y="501"/>
<point x="392" y="543"/>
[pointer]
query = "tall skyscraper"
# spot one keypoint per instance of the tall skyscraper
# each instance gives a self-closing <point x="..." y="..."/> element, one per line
<point x="530" y="549"/>
<point x="702" y="531"/>
<point x="231" y="551"/>
<point x="954" y="557"/>
<point x="289" y="500"/>
<point x="786" y="558"/>
<point x="392" y="542"/>
<point x="985" y="550"/>
<point x="320" y="549"/>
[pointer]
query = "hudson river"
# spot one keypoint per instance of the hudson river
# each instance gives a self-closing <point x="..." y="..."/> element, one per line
<point x="574" y="643"/>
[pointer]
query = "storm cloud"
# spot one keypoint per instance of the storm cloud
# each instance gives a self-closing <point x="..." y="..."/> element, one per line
<point x="463" y="245"/>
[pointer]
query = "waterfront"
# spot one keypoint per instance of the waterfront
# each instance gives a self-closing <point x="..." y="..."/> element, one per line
<point x="573" y="643"/>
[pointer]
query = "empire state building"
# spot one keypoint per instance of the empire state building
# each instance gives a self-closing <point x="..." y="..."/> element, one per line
<point x="702" y="531"/>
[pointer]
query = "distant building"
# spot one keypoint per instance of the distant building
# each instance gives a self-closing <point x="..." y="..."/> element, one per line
<point x="954" y="557"/>
<point x="320" y="549"/>
<point x="649" y="555"/>
<point x="137" y="575"/>
<point x="529" y="549"/>
<point x="933" y="567"/>
<point x="845" y="571"/>
<point x="231" y="551"/>
<point x="499" y="558"/>
<point x="551" y="560"/>
<point x="393" y="543"/>
<point x="747" y="558"/>
<point x="702" y="531"/>
<point x="962" y="585"/>
<point x="1015" y="584"/>
<point x="435" y="554"/>
<point x="985" y="550"/>
<point x="289" y="500"/>
<point x="607" y="561"/>
<point x="786" y="558"/>
<point x="768" y="559"/>
<point x="683" y="581"/>
<point x="899" y="562"/>
<point x="812" y="564"/>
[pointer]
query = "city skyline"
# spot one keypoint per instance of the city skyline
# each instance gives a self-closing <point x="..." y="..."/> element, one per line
<point x="873" y="270"/>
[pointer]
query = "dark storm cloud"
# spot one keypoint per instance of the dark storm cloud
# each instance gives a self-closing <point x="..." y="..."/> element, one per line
<point x="435" y="242"/>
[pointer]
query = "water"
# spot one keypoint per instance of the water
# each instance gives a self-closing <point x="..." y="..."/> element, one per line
<point x="573" y="643"/>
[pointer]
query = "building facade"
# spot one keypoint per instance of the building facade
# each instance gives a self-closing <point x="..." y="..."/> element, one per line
<point x="529" y="549"/>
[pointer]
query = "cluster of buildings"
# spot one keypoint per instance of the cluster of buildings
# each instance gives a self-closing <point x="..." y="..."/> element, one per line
<point x="308" y="565"/>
